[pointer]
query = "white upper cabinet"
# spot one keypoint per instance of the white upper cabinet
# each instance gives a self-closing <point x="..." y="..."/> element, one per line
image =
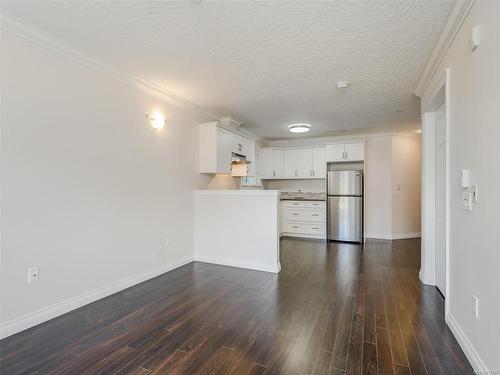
<point x="305" y="163"/>
<point x="319" y="162"/>
<point x="290" y="169"/>
<point x="265" y="163"/>
<point x="346" y="152"/>
<point x="224" y="149"/>
<point x="216" y="146"/>
<point x="277" y="157"/>
<point x="355" y="151"/>
<point x="335" y="152"/>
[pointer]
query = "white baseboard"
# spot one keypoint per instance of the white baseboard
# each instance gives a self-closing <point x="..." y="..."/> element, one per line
<point x="397" y="236"/>
<point x="34" y="318"/>
<point x="469" y="351"/>
<point x="239" y="264"/>
<point x="300" y="235"/>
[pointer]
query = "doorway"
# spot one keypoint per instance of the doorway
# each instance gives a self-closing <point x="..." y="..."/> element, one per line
<point x="435" y="188"/>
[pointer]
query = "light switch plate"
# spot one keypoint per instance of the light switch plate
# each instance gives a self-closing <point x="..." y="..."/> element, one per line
<point x="467" y="201"/>
<point x="473" y="191"/>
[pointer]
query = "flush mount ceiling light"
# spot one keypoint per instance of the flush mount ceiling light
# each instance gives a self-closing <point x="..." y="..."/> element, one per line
<point x="299" y="128"/>
<point x="342" y="85"/>
<point x="157" y="121"/>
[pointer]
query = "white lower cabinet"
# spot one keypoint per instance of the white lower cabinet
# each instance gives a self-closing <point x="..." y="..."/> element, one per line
<point x="304" y="219"/>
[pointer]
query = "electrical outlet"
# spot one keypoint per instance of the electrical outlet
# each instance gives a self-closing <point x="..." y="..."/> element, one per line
<point x="32" y="275"/>
<point x="475" y="306"/>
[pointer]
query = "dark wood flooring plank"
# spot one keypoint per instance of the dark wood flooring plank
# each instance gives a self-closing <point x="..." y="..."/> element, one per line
<point x="355" y="354"/>
<point x="370" y="366"/>
<point x="415" y="359"/>
<point x="341" y="349"/>
<point x="384" y="357"/>
<point x="369" y="316"/>
<point x="322" y="365"/>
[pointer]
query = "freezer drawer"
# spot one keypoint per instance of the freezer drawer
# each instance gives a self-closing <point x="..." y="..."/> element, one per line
<point x="345" y="218"/>
<point x="345" y="183"/>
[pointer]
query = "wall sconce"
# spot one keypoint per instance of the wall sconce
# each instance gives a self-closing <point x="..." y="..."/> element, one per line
<point x="157" y="121"/>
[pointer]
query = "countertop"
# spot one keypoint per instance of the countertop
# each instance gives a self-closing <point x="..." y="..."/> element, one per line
<point x="302" y="196"/>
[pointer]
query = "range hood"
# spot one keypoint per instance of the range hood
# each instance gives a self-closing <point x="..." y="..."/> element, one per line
<point x="239" y="165"/>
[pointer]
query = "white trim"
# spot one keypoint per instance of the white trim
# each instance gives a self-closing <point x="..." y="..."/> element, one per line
<point x="274" y="268"/>
<point x="429" y="183"/>
<point x="453" y="22"/>
<point x="302" y="235"/>
<point x="397" y="236"/>
<point x="447" y="300"/>
<point x="34" y="318"/>
<point x="470" y="352"/>
<point x="41" y="38"/>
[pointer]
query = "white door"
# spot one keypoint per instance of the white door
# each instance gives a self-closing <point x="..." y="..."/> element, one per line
<point x="305" y="163"/>
<point x="440" y="171"/>
<point x="277" y="158"/>
<point x="335" y="152"/>
<point x="319" y="162"/>
<point x="354" y="151"/>
<point x="290" y="157"/>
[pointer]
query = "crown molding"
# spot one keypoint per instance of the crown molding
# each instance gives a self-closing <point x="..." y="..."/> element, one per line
<point x="41" y="38"/>
<point x="454" y="21"/>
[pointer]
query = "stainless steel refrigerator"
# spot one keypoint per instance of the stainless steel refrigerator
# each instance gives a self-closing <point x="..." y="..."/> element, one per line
<point x="345" y="206"/>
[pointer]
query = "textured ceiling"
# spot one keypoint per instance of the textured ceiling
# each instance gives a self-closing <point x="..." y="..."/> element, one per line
<point x="265" y="63"/>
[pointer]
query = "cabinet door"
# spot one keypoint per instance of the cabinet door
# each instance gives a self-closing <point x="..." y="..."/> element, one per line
<point x="224" y="148"/>
<point x="335" y="152"/>
<point x="319" y="162"/>
<point x="355" y="151"/>
<point x="249" y="148"/>
<point x="290" y="157"/>
<point x="305" y="163"/>
<point x="278" y="165"/>
<point x="266" y="164"/>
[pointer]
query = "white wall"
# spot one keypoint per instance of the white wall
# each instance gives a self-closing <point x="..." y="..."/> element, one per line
<point x="378" y="186"/>
<point x="474" y="116"/>
<point x="406" y="173"/>
<point x="89" y="191"/>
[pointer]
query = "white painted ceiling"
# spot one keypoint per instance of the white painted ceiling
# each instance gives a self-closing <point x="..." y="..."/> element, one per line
<point x="266" y="64"/>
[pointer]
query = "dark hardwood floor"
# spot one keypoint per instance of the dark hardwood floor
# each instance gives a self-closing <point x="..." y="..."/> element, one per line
<point x="334" y="309"/>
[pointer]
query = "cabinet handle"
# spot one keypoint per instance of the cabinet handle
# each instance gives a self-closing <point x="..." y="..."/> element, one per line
<point x="295" y="173"/>
<point x="313" y="173"/>
<point x="315" y="228"/>
<point x="315" y="214"/>
<point x="274" y="173"/>
<point x="240" y="147"/>
<point x="294" y="226"/>
<point x="295" y="214"/>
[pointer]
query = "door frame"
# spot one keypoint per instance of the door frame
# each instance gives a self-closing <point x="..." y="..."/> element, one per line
<point x="428" y="246"/>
